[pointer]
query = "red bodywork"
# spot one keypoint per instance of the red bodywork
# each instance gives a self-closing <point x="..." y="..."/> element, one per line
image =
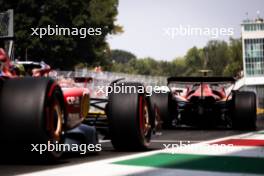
<point x="205" y="90"/>
<point x="76" y="98"/>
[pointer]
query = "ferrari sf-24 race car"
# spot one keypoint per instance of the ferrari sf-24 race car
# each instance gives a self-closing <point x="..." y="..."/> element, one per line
<point x="206" y="102"/>
<point x="36" y="109"/>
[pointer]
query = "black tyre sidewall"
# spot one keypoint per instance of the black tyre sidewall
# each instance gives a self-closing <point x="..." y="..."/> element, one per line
<point x="244" y="110"/>
<point x="124" y="120"/>
<point x="22" y="107"/>
<point x="162" y="102"/>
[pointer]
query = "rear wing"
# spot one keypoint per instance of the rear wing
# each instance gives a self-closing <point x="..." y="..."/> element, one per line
<point x="201" y="79"/>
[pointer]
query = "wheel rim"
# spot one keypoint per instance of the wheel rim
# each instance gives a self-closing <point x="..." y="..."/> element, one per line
<point x="144" y="118"/>
<point x="55" y="122"/>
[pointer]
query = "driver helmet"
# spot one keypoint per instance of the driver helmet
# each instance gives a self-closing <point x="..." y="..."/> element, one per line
<point x="19" y="69"/>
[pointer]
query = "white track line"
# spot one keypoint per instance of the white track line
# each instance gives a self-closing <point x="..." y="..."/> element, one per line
<point x="105" y="168"/>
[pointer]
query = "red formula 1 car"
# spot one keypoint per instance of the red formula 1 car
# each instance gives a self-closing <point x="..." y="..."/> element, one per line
<point x="35" y="109"/>
<point x="206" y="102"/>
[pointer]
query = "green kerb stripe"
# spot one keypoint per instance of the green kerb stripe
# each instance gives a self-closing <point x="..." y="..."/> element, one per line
<point x="200" y="162"/>
<point x="260" y="132"/>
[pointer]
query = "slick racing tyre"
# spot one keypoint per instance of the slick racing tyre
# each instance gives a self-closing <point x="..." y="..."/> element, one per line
<point x="244" y="112"/>
<point x="32" y="112"/>
<point x="161" y="101"/>
<point x="129" y="119"/>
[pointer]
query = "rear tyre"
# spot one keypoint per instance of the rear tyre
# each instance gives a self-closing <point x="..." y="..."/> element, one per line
<point x="32" y="112"/>
<point x="244" y="112"/>
<point x="129" y="119"/>
<point x="161" y="102"/>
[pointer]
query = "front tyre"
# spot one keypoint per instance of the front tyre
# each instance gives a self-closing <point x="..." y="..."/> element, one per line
<point x="161" y="101"/>
<point x="129" y="119"/>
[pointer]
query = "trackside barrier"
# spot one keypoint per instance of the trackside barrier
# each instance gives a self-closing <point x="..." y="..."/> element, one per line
<point x="105" y="78"/>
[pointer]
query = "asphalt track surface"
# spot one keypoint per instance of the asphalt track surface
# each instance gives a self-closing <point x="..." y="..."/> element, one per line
<point x="174" y="136"/>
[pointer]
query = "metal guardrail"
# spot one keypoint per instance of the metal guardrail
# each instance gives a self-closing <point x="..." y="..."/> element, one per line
<point x="105" y="78"/>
